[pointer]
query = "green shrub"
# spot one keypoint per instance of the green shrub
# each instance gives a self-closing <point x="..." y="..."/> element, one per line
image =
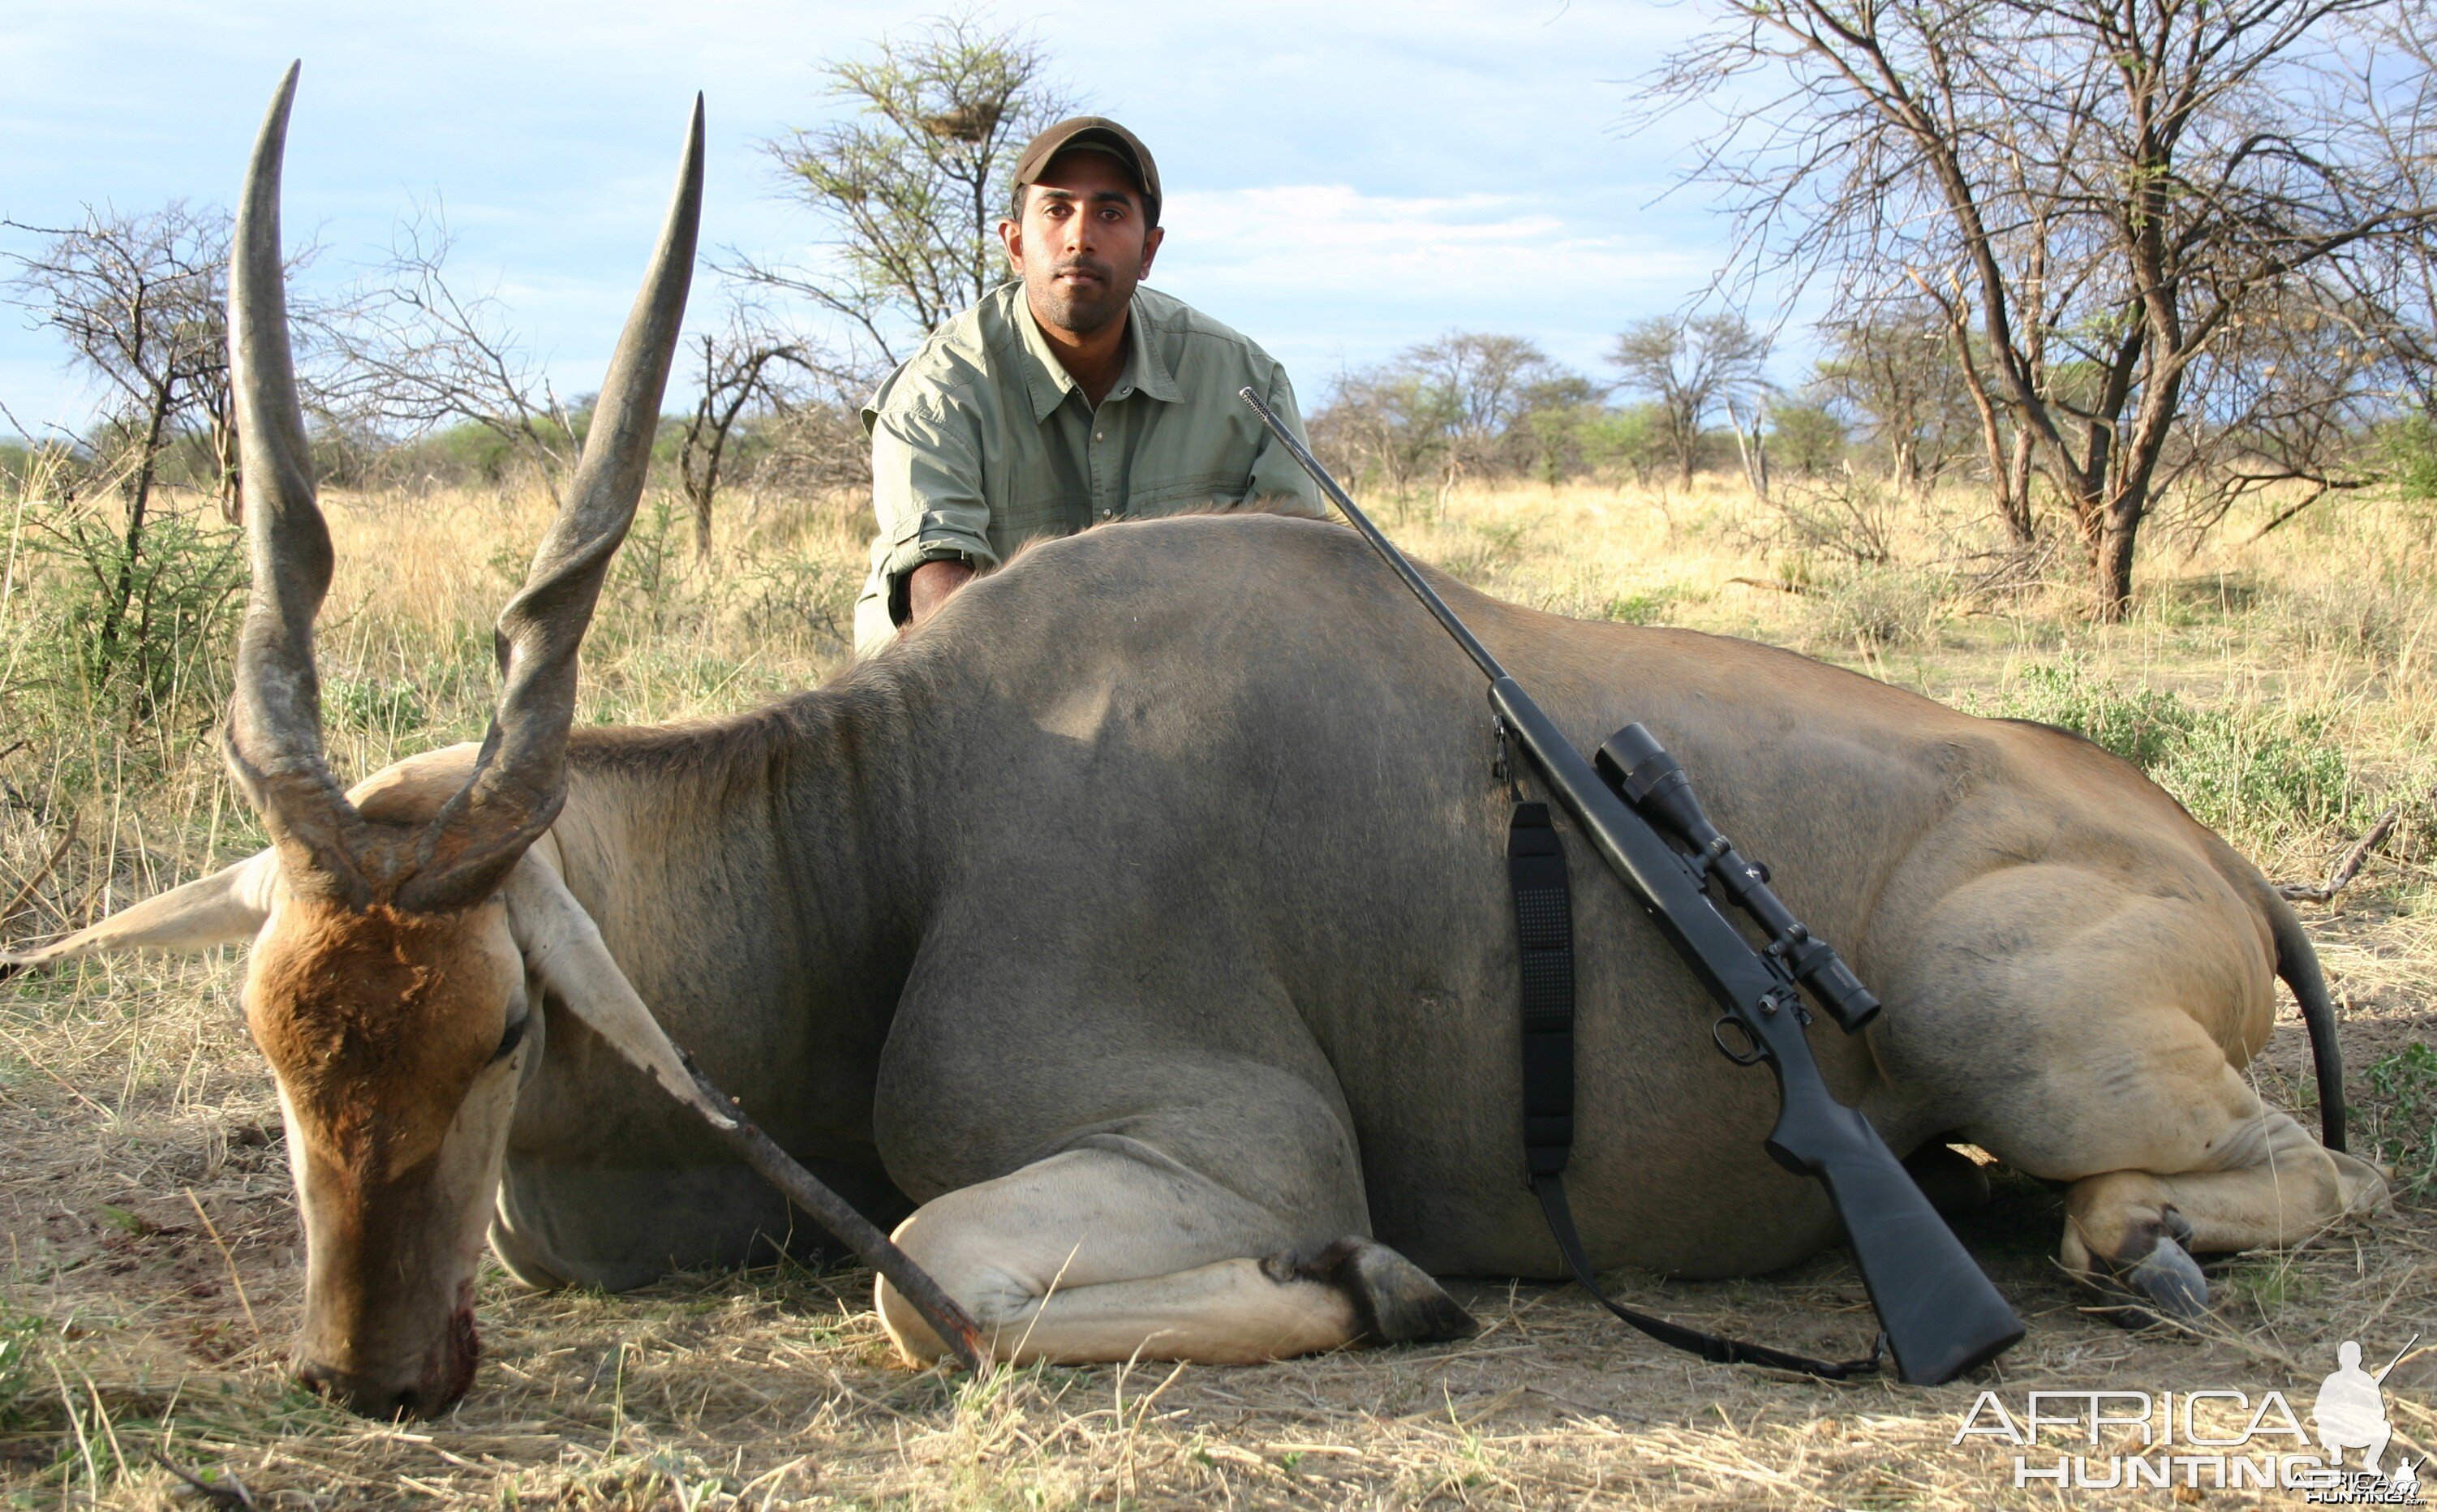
<point x="2405" y="1130"/>
<point x="2240" y="768"/>
<point x="21" y="1336"/>
<point x="2411" y="447"/>
<point x="2143" y="726"/>
<point x="390" y="708"/>
<point x="1645" y="608"/>
<point x="2251" y="767"/>
<point x="133" y="634"/>
<point x="1874" y="607"/>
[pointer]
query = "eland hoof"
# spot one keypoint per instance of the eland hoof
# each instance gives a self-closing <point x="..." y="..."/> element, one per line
<point x="1395" y="1300"/>
<point x="2171" y="1279"/>
<point x="2164" y="1286"/>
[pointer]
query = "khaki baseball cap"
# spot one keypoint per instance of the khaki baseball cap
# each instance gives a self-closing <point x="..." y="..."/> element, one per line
<point x="1100" y="135"/>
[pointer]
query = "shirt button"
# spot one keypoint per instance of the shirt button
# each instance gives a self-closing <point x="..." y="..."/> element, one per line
<point x="1100" y="435"/>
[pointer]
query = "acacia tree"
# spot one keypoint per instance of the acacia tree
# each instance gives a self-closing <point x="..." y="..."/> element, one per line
<point x="913" y="184"/>
<point x="1383" y="422"/>
<point x="1467" y="405"/>
<point x="2099" y="189"/>
<point x="1689" y="365"/>
<point x="140" y="300"/>
<point x="1894" y="371"/>
<point x="743" y="365"/>
<point x="2393" y="287"/>
<point x="1483" y="384"/>
<point x="414" y="350"/>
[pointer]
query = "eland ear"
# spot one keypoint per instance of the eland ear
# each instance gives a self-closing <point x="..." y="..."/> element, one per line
<point x="563" y="948"/>
<point x="227" y="905"/>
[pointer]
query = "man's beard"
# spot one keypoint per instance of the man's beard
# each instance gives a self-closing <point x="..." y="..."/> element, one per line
<point x="1085" y="309"/>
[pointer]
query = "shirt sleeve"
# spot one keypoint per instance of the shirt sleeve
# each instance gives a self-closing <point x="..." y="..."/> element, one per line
<point x="926" y="490"/>
<point x="1277" y="477"/>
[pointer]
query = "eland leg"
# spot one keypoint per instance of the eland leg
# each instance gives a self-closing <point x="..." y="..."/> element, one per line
<point x="2087" y="1034"/>
<point x="559" y="1224"/>
<point x="1114" y="1252"/>
<point x="2136" y="1230"/>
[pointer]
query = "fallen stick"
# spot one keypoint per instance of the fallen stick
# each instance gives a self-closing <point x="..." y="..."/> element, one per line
<point x="2349" y="866"/>
<point x="952" y="1322"/>
<point x="26" y="893"/>
<point x="226" y="1491"/>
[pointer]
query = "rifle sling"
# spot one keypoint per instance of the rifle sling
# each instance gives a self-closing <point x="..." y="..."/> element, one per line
<point x="1535" y="864"/>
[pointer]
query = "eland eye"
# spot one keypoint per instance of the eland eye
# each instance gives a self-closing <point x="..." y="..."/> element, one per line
<point x="513" y="1037"/>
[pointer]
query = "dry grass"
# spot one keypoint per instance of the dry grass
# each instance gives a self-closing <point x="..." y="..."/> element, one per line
<point x="152" y="1275"/>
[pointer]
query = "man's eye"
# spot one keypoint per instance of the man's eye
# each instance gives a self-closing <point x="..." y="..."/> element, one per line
<point x="513" y="1037"/>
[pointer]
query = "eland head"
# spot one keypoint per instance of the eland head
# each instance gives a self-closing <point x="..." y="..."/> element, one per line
<point x="401" y="949"/>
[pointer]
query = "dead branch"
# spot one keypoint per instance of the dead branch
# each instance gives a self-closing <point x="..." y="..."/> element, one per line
<point x="226" y="1491"/>
<point x="2349" y="865"/>
<point x="25" y="894"/>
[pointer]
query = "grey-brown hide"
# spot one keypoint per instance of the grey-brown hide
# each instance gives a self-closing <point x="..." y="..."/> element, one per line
<point x="1228" y="887"/>
<point x="1156" y="889"/>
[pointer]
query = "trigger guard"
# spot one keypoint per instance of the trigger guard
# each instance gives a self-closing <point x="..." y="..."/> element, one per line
<point x="1751" y="1054"/>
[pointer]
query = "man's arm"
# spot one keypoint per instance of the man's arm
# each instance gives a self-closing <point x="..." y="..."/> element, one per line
<point x="926" y="490"/>
<point x="928" y="586"/>
<point x="1277" y="477"/>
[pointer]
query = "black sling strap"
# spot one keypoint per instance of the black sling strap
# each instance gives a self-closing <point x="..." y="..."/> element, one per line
<point x="1544" y="923"/>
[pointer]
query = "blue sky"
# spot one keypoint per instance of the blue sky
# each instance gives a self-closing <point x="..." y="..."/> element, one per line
<point x="1343" y="179"/>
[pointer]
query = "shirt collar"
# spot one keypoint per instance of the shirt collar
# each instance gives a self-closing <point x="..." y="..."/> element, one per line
<point x="1150" y="374"/>
<point x="1047" y="381"/>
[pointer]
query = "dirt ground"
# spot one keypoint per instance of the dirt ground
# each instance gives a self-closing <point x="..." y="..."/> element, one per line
<point x="159" y="1248"/>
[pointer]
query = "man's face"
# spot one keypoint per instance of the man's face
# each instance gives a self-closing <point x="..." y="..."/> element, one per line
<point x="1082" y="244"/>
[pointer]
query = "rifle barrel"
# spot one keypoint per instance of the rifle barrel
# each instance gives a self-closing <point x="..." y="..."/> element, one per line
<point x="1379" y="542"/>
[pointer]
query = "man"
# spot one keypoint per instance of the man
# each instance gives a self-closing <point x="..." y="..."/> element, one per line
<point x="1067" y="399"/>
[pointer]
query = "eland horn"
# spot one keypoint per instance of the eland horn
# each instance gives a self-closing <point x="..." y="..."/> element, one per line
<point x="275" y="730"/>
<point x="519" y="777"/>
<point x="274" y="742"/>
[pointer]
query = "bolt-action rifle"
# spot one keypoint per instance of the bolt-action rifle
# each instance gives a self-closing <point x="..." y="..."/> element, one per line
<point x="1940" y="1315"/>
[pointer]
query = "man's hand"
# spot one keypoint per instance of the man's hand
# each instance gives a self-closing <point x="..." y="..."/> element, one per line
<point x="929" y="588"/>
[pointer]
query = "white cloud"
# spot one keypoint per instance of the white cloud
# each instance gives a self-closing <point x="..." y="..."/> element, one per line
<point x="1326" y="276"/>
<point x="1461" y="249"/>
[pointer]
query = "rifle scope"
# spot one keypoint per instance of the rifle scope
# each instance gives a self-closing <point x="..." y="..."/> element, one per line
<point x="1656" y="785"/>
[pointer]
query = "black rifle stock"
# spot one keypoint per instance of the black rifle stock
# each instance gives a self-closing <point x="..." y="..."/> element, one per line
<point x="1940" y="1314"/>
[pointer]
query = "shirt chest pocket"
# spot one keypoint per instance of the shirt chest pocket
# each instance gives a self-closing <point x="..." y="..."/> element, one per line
<point x="1036" y="496"/>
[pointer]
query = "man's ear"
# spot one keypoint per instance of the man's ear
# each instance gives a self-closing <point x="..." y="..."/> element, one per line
<point x="1010" y="236"/>
<point x="1151" y="239"/>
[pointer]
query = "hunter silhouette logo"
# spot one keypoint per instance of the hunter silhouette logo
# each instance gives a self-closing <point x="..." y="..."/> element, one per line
<point x="2211" y="1440"/>
<point x="2350" y="1409"/>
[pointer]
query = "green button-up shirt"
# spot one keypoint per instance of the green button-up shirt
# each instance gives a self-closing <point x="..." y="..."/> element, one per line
<point x="982" y="440"/>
